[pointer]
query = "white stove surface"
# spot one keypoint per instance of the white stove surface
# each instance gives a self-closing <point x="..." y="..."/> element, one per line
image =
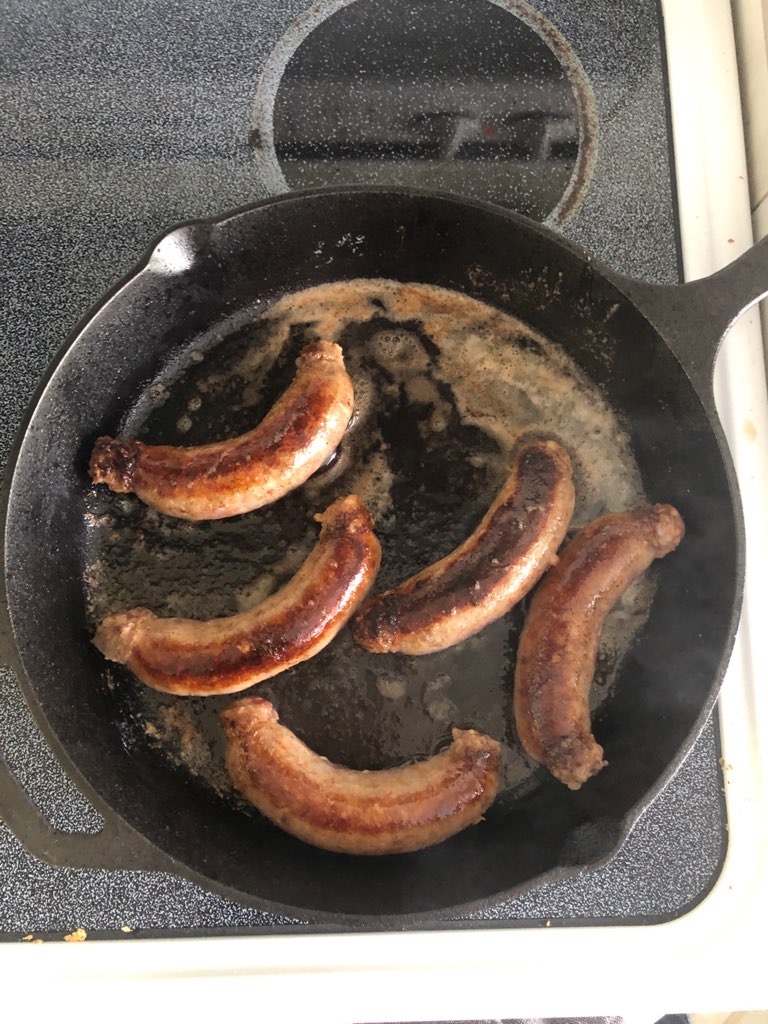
<point x="707" y="960"/>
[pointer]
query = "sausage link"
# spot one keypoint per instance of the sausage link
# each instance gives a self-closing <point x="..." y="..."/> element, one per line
<point x="516" y="541"/>
<point x="213" y="481"/>
<point x="192" y="658"/>
<point x="396" y="810"/>
<point x="559" y="642"/>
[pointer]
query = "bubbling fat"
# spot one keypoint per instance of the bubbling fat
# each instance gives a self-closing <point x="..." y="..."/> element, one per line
<point x="506" y="380"/>
<point x="502" y="377"/>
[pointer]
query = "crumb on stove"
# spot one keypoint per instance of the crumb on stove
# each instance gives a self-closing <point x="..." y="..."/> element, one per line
<point x="78" y="935"/>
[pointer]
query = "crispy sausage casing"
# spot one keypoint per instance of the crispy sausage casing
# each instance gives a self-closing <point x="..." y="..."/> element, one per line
<point x="559" y="642"/>
<point x="192" y="658"/>
<point x="490" y="572"/>
<point x="213" y="481"/>
<point x="396" y="810"/>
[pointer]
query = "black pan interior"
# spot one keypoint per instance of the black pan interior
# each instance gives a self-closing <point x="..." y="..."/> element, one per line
<point x="201" y="285"/>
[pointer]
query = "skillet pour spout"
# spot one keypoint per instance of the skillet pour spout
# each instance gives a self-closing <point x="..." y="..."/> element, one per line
<point x="649" y="349"/>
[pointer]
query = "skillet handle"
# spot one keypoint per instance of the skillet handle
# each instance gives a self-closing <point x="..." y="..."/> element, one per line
<point x="694" y="317"/>
<point x="116" y="847"/>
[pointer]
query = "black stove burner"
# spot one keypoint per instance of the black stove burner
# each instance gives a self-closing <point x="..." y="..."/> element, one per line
<point x="421" y="92"/>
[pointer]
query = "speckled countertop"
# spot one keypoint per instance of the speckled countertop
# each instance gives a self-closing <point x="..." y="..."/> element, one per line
<point x="119" y="120"/>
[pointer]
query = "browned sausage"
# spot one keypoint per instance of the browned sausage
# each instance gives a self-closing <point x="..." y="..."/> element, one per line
<point x="558" y="646"/>
<point x="193" y="658"/>
<point x="396" y="810"/>
<point x="489" y="573"/>
<point x="213" y="481"/>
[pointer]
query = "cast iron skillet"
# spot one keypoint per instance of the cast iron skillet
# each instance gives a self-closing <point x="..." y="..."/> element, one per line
<point x="651" y="349"/>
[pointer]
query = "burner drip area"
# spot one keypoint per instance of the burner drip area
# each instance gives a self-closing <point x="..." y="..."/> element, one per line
<point x="457" y="95"/>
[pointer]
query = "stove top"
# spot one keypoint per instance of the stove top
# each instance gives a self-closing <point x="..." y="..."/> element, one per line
<point x="113" y="130"/>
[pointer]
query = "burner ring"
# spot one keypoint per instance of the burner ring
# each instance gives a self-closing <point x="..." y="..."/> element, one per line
<point x="437" y="137"/>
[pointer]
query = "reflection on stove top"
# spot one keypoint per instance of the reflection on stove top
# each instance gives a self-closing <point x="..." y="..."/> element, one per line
<point x="418" y="92"/>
